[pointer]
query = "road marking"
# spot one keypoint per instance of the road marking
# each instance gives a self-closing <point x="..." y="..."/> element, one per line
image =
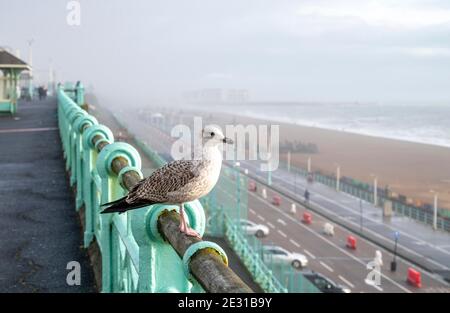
<point x="282" y="234"/>
<point x="261" y="218"/>
<point x="294" y="243"/>
<point x="281" y="221"/>
<point x="319" y="194"/>
<point x="370" y="283"/>
<point x="373" y="221"/>
<point x="271" y="225"/>
<point x="252" y="211"/>
<point x="312" y="256"/>
<point x="434" y="277"/>
<point x="329" y="242"/>
<point x="326" y="266"/>
<point x="346" y="281"/>
<point x="371" y="231"/>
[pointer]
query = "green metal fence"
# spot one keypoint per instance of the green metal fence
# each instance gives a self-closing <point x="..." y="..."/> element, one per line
<point x="134" y="257"/>
<point x="231" y="195"/>
<point x="225" y="207"/>
<point x="365" y="192"/>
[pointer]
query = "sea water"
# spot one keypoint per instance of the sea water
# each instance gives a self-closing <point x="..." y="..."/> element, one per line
<point x="427" y="123"/>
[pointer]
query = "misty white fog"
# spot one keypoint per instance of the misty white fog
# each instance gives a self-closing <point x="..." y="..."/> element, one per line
<point x="136" y="51"/>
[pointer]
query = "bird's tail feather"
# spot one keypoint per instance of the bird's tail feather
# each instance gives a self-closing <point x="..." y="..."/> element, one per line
<point x="120" y="206"/>
<point x="112" y="202"/>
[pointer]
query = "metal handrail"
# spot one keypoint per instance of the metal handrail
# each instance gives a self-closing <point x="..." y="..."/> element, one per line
<point x="206" y="265"/>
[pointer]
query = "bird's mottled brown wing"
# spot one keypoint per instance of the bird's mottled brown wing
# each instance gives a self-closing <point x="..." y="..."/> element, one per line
<point x="170" y="177"/>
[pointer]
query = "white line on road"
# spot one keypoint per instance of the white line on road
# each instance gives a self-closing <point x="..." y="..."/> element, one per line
<point x="282" y="234"/>
<point x="312" y="256"/>
<point x="346" y="282"/>
<point x="271" y="225"/>
<point x="329" y="242"/>
<point x="326" y="266"/>
<point x="261" y="218"/>
<point x="375" y="222"/>
<point x="281" y="222"/>
<point x="375" y="233"/>
<point x="252" y="211"/>
<point x="370" y="283"/>
<point x="361" y="261"/>
<point x="378" y="288"/>
<point x="371" y="244"/>
<point x="294" y="243"/>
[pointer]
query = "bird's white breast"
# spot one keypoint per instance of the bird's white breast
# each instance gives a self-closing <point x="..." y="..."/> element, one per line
<point x="213" y="165"/>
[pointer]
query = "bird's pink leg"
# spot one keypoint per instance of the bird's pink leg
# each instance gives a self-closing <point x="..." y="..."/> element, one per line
<point x="184" y="227"/>
<point x="183" y="221"/>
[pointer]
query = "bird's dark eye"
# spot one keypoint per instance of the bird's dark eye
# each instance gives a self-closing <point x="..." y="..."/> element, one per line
<point x="212" y="134"/>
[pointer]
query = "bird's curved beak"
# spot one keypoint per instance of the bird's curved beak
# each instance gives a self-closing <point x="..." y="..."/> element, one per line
<point x="228" y="140"/>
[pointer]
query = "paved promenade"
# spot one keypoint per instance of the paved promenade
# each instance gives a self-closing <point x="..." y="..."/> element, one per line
<point x="39" y="228"/>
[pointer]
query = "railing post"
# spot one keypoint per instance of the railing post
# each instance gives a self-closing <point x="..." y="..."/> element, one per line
<point x="111" y="190"/>
<point x="156" y="255"/>
<point x="73" y="115"/>
<point x="89" y="184"/>
<point x="79" y="94"/>
<point x="79" y="125"/>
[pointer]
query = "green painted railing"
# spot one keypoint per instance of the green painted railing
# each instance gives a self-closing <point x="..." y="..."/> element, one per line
<point x="225" y="206"/>
<point x="141" y="250"/>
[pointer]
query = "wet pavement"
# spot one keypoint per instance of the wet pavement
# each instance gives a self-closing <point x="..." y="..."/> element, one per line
<point x="40" y="231"/>
<point x="418" y="243"/>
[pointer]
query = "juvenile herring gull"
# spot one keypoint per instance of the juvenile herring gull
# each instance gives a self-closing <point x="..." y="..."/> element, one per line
<point x="179" y="181"/>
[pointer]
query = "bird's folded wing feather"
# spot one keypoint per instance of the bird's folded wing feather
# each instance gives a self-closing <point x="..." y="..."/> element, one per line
<point x="169" y="178"/>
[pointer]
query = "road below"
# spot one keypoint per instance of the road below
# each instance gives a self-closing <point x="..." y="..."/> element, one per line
<point x="327" y="255"/>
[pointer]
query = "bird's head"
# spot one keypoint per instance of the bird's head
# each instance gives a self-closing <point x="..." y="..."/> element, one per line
<point x="213" y="135"/>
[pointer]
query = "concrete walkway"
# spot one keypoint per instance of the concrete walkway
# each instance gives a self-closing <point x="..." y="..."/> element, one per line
<point x="39" y="227"/>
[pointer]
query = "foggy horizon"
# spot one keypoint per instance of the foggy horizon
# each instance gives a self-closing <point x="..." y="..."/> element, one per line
<point x="295" y="51"/>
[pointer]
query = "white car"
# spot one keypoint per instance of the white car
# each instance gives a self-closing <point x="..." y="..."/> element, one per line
<point x="251" y="228"/>
<point x="278" y="255"/>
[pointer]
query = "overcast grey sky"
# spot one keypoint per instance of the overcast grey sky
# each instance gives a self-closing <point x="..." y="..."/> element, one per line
<point x="280" y="50"/>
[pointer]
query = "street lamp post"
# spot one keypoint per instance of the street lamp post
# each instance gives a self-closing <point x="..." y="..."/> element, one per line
<point x="238" y="189"/>
<point x="30" y="61"/>
<point x="361" y="215"/>
<point x="338" y="176"/>
<point x="269" y="172"/>
<point x="295" y="182"/>
<point x="394" y="260"/>
<point x="289" y="161"/>
<point x="375" y="189"/>
<point x="435" y="208"/>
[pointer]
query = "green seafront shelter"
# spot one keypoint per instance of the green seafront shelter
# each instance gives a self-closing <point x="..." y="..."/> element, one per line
<point x="10" y="69"/>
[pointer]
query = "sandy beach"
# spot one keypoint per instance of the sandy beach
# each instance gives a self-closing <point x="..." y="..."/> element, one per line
<point x="408" y="168"/>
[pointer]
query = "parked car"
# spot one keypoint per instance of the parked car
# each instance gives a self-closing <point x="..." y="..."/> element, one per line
<point x="279" y="255"/>
<point x="252" y="228"/>
<point x="325" y="284"/>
